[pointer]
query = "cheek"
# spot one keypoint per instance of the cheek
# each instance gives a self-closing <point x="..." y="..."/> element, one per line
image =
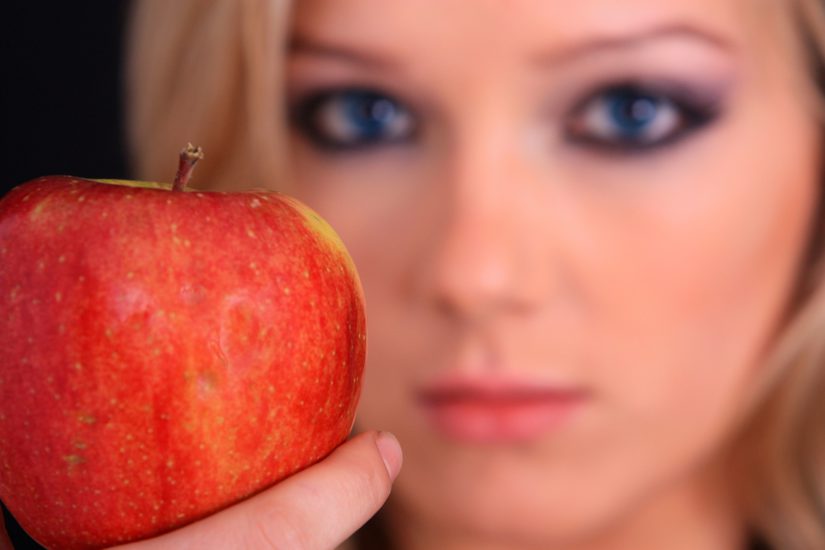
<point x="383" y="209"/>
<point x="687" y="317"/>
<point x="372" y="198"/>
<point x="367" y="199"/>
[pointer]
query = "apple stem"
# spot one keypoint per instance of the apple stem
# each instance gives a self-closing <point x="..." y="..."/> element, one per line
<point x="189" y="157"/>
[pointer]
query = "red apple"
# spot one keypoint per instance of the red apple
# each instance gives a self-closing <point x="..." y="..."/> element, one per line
<point x="165" y="353"/>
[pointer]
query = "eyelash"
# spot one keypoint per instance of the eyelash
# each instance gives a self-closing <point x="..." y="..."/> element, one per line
<point x="683" y="109"/>
<point x="374" y="108"/>
<point x="351" y="119"/>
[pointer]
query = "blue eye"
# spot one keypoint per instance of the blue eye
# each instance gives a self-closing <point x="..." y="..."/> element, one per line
<point x="351" y="119"/>
<point x="630" y="117"/>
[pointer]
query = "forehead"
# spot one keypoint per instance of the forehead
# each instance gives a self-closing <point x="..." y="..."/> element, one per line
<point x="411" y="26"/>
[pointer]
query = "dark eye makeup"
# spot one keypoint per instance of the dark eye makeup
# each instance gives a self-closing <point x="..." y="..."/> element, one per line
<point x="636" y="117"/>
<point x="623" y="117"/>
<point x="349" y="119"/>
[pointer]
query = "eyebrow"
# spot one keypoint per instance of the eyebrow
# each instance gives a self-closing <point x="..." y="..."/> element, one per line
<point x="304" y="45"/>
<point x="590" y="47"/>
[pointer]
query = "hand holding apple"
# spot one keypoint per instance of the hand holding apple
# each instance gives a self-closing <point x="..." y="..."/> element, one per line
<point x="165" y="352"/>
<point x="319" y="507"/>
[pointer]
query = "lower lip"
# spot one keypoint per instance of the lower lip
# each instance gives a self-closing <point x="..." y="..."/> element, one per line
<point x="485" y="419"/>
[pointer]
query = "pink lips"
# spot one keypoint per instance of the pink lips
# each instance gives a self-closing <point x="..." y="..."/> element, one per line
<point x="497" y="409"/>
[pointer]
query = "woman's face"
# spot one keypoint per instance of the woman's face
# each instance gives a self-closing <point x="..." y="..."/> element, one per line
<point x="577" y="225"/>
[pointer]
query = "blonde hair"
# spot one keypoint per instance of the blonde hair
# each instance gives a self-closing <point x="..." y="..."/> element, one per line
<point x="208" y="71"/>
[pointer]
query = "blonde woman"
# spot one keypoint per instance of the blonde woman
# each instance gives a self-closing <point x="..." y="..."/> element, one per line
<point x="589" y="235"/>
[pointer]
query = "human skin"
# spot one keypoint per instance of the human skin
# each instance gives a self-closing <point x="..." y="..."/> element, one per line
<point x="489" y="242"/>
<point x="494" y="244"/>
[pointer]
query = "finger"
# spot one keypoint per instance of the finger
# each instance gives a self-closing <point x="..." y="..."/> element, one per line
<point x="322" y="509"/>
<point x="317" y="508"/>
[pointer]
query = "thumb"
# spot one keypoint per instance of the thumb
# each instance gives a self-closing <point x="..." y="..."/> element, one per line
<point x="317" y="508"/>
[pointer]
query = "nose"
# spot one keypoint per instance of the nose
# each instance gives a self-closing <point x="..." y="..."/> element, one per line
<point x="493" y="255"/>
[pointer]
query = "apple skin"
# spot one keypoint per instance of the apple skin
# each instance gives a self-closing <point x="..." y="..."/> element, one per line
<point x="165" y="353"/>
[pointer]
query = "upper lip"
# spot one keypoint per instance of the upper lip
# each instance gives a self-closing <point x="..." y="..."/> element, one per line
<point x="496" y="387"/>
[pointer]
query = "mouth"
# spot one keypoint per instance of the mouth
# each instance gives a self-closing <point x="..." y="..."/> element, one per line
<point x="496" y="409"/>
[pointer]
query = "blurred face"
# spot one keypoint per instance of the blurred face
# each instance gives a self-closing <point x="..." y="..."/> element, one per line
<point x="577" y="225"/>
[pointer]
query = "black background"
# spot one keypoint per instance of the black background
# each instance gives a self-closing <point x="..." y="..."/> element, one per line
<point x="61" y="87"/>
<point x="60" y="107"/>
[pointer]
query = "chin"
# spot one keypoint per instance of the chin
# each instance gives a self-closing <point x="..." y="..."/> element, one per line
<point x="518" y="498"/>
<point x="525" y="521"/>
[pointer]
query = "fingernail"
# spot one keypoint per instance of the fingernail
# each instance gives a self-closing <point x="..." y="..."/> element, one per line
<point x="390" y="451"/>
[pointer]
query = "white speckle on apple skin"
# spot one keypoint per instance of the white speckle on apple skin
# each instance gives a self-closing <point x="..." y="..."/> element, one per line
<point x="206" y="383"/>
<point x="131" y="300"/>
<point x="255" y="203"/>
